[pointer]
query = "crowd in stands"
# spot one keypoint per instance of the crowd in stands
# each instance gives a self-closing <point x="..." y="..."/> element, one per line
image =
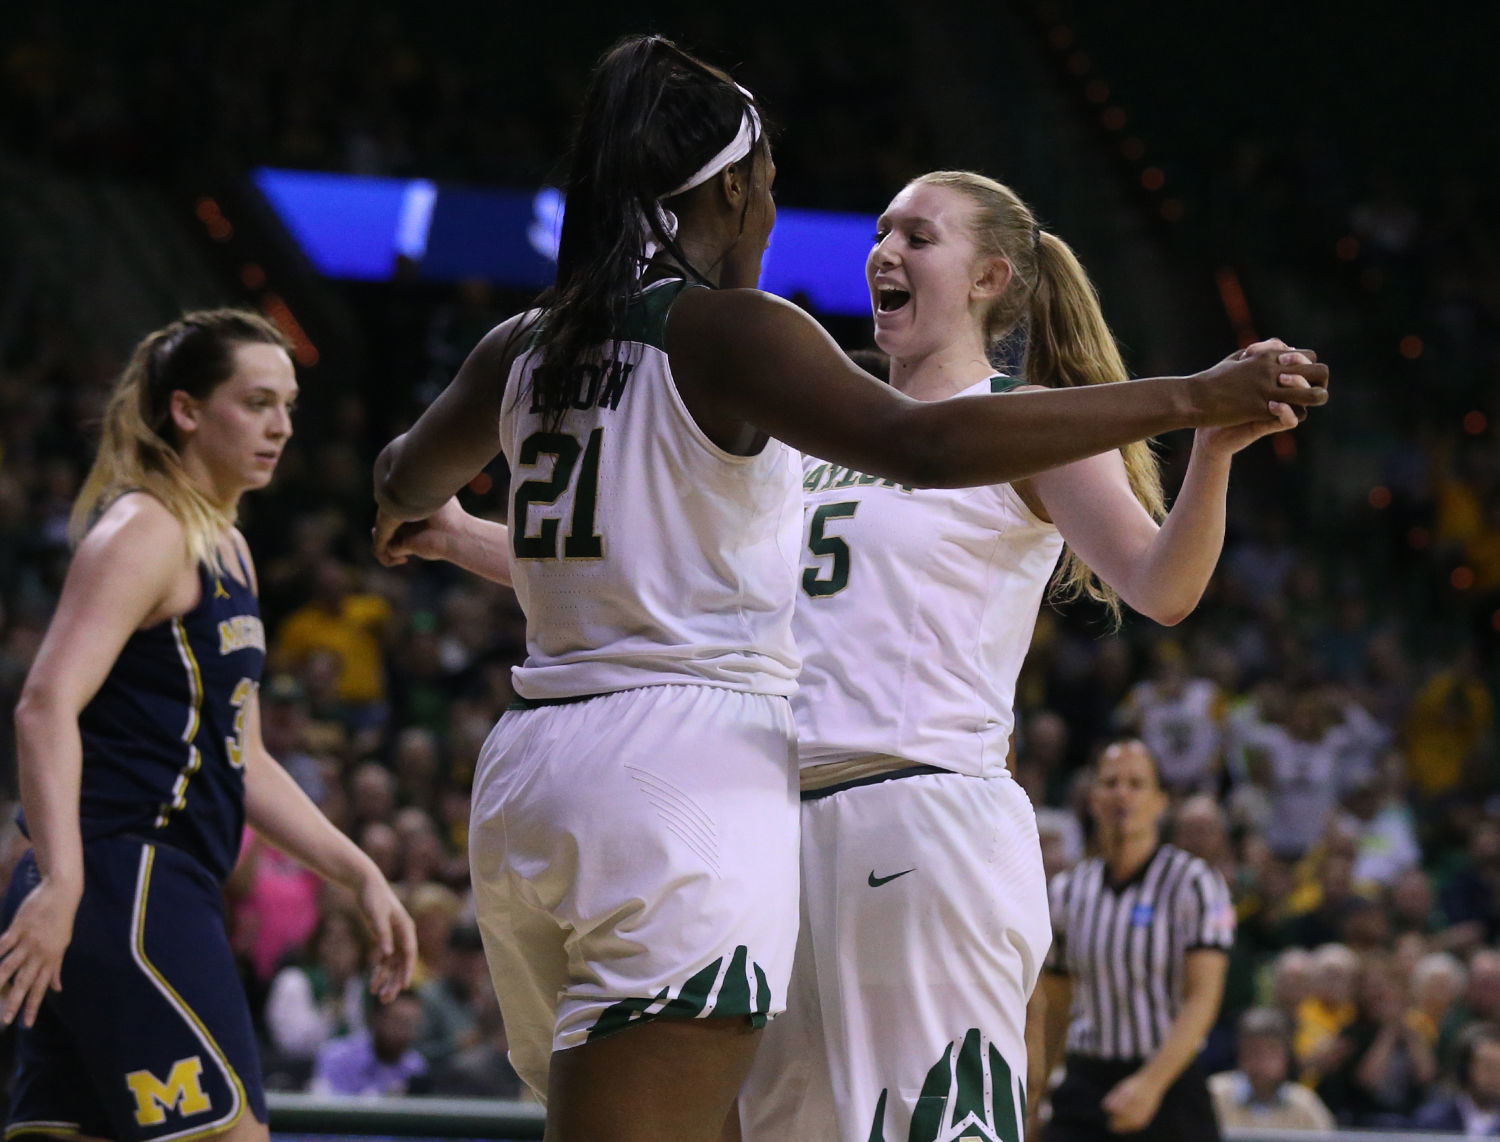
<point x="1325" y="720"/>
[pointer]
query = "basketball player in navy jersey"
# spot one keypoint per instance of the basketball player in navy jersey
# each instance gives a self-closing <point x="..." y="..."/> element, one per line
<point x="141" y="759"/>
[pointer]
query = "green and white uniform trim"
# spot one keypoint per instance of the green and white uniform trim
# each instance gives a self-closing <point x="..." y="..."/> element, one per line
<point x="740" y="988"/>
<point x="970" y="1095"/>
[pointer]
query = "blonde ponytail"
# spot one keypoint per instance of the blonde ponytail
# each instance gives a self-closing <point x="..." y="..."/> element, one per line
<point x="136" y="447"/>
<point x="1068" y="342"/>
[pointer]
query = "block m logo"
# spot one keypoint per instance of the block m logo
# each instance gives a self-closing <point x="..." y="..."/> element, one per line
<point x="182" y="1092"/>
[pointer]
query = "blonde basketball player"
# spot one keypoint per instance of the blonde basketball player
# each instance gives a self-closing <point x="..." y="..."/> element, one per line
<point x="924" y="905"/>
<point x="634" y="831"/>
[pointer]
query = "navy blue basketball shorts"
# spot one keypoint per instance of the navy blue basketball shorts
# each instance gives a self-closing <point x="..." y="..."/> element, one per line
<point x="150" y="1038"/>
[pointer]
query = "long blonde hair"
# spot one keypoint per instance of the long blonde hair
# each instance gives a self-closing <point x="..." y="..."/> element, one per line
<point x="1068" y="342"/>
<point x="138" y="448"/>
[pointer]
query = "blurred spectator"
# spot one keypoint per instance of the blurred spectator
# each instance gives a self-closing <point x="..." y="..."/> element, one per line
<point x="1480" y="1002"/>
<point x="1380" y="819"/>
<point x="348" y="624"/>
<point x="1414" y="908"/>
<point x="1258" y="1095"/>
<point x="1448" y="722"/>
<point x="1292" y="982"/>
<point x="274" y="904"/>
<point x="383" y="844"/>
<point x="450" y="1000"/>
<point x="1318" y="914"/>
<point x="323" y="996"/>
<point x="284" y="729"/>
<point x="1298" y="764"/>
<point x="416" y="761"/>
<point x="1471" y="893"/>
<point x="434" y="910"/>
<point x="1437" y="984"/>
<point x="372" y="794"/>
<point x="1177" y="716"/>
<point x="422" y="855"/>
<point x="1328" y="1008"/>
<point x="382" y="1060"/>
<point x="1201" y="828"/>
<point x="421" y="683"/>
<point x="1379" y="1066"/>
<point x="1473" y="1107"/>
<point x="481" y="1069"/>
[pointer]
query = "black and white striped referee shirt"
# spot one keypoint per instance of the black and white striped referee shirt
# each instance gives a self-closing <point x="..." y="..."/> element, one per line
<point x="1124" y="946"/>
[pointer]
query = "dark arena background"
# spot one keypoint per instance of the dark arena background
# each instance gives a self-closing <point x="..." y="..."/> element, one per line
<point x="378" y="177"/>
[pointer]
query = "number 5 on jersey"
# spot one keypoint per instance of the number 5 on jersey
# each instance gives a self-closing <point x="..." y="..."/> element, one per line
<point x="826" y="546"/>
<point x="581" y="542"/>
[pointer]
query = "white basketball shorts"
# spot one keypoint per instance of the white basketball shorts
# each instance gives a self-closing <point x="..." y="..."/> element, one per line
<point x="924" y="925"/>
<point x="634" y="856"/>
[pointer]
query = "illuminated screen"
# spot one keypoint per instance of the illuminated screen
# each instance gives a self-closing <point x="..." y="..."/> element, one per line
<point x="355" y="227"/>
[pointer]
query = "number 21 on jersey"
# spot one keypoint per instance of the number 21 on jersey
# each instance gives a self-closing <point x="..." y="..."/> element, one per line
<point x="581" y="541"/>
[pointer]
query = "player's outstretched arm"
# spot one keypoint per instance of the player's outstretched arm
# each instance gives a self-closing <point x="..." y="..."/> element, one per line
<point x="1162" y="570"/>
<point x="120" y="576"/>
<point x="278" y="809"/>
<point x="744" y="355"/>
<point x="479" y="546"/>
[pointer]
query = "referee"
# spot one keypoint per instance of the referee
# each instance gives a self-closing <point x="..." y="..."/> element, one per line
<point x="1141" y="936"/>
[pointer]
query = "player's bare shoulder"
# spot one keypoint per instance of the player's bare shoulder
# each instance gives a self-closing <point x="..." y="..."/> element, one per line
<point x="138" y="545"/>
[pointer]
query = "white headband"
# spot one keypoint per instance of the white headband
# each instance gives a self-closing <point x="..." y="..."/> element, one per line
<point x="738" y="148"/>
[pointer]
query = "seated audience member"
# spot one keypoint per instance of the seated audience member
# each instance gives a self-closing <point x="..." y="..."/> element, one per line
<point x="482" y="1069"/>
<point x="1473" y="1109"/>
<point x="323" y="996"/>
<point x="1327" y="1009"/>
<point x="382" y="1060"/>
<point x="434" y="911"/>
<point x="1318" y="916"/>
<point x="1364" y="925"/>
<point x="1471" y="892"/>
<point x="1438" y="980"/>
<point x="450" y="999"/>
<point x="1414" y="908"/>
<point x="1480" y="1002"/>
<point x="1291" y="981"/>
<point x="1201" y="827"/>
<point x="1258" y="1095"/>
<point x="1381" y="1066"/>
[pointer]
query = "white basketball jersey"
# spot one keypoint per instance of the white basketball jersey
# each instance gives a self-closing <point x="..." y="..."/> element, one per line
<point x="643" y="554"/>
<point x="915" y="613"/>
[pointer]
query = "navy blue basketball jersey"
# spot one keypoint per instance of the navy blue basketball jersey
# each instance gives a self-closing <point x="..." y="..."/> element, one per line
<point x="163" y="739"/>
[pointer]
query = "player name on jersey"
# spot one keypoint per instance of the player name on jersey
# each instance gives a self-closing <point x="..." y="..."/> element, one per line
<point x="599" y="385"/>
<point x="826" y="476"/>
<point x="240" y="633"/>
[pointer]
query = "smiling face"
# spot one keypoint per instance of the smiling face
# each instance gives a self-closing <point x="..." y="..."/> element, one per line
<point x="232" y="439"/>
<point x="929" y="286"/>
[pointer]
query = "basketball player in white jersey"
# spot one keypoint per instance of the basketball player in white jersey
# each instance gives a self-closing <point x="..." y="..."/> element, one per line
<point x="924" y="904"/>
<point x="634" y="829"/>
